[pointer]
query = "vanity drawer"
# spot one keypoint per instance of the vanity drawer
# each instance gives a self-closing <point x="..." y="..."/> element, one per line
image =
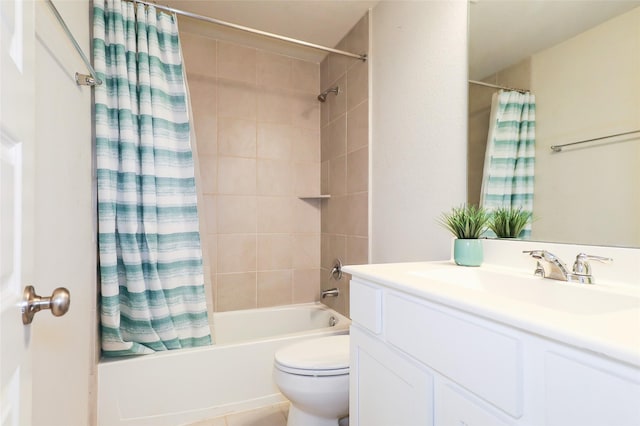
<point x="480" y="359"/>
<point x="366" y="305"/>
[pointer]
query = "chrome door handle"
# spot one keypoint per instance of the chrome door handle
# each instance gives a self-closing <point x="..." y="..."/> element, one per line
<point x="32" y="303"/>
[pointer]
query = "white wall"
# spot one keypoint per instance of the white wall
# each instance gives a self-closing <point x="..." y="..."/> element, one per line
<point x="64" y="347"/>
<point x="588" y="87"/>
<point x="419" y="126"/>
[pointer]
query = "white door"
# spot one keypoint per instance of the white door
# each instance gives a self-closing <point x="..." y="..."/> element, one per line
<point x="17" y="138"/>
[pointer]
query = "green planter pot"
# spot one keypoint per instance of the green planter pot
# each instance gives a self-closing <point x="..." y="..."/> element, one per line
<point x="467" y="252"/>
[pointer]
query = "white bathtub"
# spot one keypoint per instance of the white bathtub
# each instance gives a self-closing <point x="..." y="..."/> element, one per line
<point x="185" y="386"/>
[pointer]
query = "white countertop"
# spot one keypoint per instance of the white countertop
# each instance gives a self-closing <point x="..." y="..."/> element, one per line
<point x="613" y="333"/>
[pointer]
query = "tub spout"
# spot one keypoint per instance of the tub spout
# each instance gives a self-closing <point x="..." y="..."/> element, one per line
<point x="332" y="292"/>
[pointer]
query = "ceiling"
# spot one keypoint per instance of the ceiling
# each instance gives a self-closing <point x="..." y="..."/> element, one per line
<point x="503" y="32"/>
<point x="323" y="22"/>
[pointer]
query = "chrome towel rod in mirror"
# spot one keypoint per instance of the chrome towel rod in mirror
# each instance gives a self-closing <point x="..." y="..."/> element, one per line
<point x="558" y="148"/>
<point x="81" y="79"/>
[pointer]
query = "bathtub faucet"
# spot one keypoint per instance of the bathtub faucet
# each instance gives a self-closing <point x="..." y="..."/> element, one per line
<point x="331" y="292"/>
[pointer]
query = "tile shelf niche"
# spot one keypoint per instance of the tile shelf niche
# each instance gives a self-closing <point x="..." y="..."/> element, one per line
<point x="303" y="197"/>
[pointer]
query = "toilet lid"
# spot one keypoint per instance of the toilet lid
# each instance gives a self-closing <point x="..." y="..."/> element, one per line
<point x="324" y="356"/>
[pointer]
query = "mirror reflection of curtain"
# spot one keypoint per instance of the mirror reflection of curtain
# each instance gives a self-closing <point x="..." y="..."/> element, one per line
<point x="508" y="175"/>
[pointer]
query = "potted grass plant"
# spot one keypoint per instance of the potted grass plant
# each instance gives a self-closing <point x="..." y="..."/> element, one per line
<point x="466" y="223"/>
<point x="508" y="222"/>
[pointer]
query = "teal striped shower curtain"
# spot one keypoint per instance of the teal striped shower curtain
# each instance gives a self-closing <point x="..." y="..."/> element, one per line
<point x="510" y="156"/>
<point x="152" y="284"/>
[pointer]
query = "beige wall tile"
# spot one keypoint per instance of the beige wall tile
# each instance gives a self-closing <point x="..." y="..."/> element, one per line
<point x="338" y="103"/>
<point x="305" y="76"/>
<point x="208" y="173"/>
<point x="324" y="73"/>
<point x="324" y="177"/>
<point x="237" y="100"/>
<point x="209" y="214"/>
<point x="337" y="65"/>
<point x="236" y="176"/>
<point x="214" y="292"/>
<point x="306" y="178"/>
<point x="334" y="139"/>
<point x="274" y="106"/>
<point x="357" y="215"/>
<point x="236" y="137"/>
<point x="325" y="250"/>
<point x="358" y="38"/>
<point x="274" y="288"/>
<point x="305" y="251"/>
<point x="305" y="144"/>
<point x="203" y="96"/>
<point x="357" y="84"/>
<point x="306" y="216"/>
<point x="236" y="62"/>
<point x="274" y="177"/>
<point x="275" y="215"/>
<point x="324" y="112"/>
<point x="338" y="176"/>
<point x="274" y="141"/>
<point x="274" y="251"/>
<point x="336" y="222"/>
<point x="237" y="214"/>
<point x="336" y="246"/>
<point x="357" y="250"/>
<point x="236" y="291"/>
<point x="257" y="122"/>
<point x="335" y="303"/>
<point x="306" y="285"/>
<point x="236" y="253"/>
<point x="358" y="170"/>
<point x="358" y="127"/>
<point x="344" y="167"/>
<point x="274" y="71"/>
<point x="211" y="241"/>
<point x="199" y="54"/>
<point x="324" y="215"/>
<point x="305" y="110"/>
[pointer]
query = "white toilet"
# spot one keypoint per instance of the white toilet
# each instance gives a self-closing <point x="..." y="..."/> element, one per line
<point x="314" y="376"/>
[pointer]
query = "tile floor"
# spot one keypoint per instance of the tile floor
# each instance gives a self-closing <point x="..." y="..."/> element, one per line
<point x="274" y="415"/>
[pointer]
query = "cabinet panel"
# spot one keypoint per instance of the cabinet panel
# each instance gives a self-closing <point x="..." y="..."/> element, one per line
<point x="455" y="408"/>
<point x="386" y="388"/>
<point x="482" y="360"/>
<point x="366" y="305"/>
<point x="580" y="394"/>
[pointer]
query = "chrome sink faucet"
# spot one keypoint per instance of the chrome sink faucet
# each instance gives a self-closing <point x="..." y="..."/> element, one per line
<point x="550" y="266"/>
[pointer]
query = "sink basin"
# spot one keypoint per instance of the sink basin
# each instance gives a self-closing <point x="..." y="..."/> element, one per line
<point x="579" y="299"/>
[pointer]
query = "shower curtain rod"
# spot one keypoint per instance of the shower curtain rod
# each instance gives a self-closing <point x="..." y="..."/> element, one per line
<point x="496" y="86"/>
<point x="251" y="30"/>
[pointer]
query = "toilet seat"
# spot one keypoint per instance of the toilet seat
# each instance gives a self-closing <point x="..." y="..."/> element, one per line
<point x="324" y="356"/>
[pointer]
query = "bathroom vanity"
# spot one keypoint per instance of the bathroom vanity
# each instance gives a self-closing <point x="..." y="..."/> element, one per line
<point x="433" y="343"/>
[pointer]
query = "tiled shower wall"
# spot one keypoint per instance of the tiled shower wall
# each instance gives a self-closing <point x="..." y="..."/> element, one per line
<point x="345" y="161"/>
<point x="257" y="124"/>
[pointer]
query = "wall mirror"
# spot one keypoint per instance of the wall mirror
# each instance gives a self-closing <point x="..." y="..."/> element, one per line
<point x="581" y="60"/>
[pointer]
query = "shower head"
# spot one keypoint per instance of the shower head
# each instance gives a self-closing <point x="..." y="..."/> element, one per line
<point x="323" y="96"/>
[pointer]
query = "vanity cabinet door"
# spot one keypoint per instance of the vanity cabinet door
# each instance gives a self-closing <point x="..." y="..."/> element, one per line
<point x="386" y="387"/>
<point x="582" y="390"/>
<point x="455" y="407"/>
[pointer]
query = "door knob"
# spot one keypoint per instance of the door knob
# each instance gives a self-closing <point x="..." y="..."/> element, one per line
<point x="32" y="303"/>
